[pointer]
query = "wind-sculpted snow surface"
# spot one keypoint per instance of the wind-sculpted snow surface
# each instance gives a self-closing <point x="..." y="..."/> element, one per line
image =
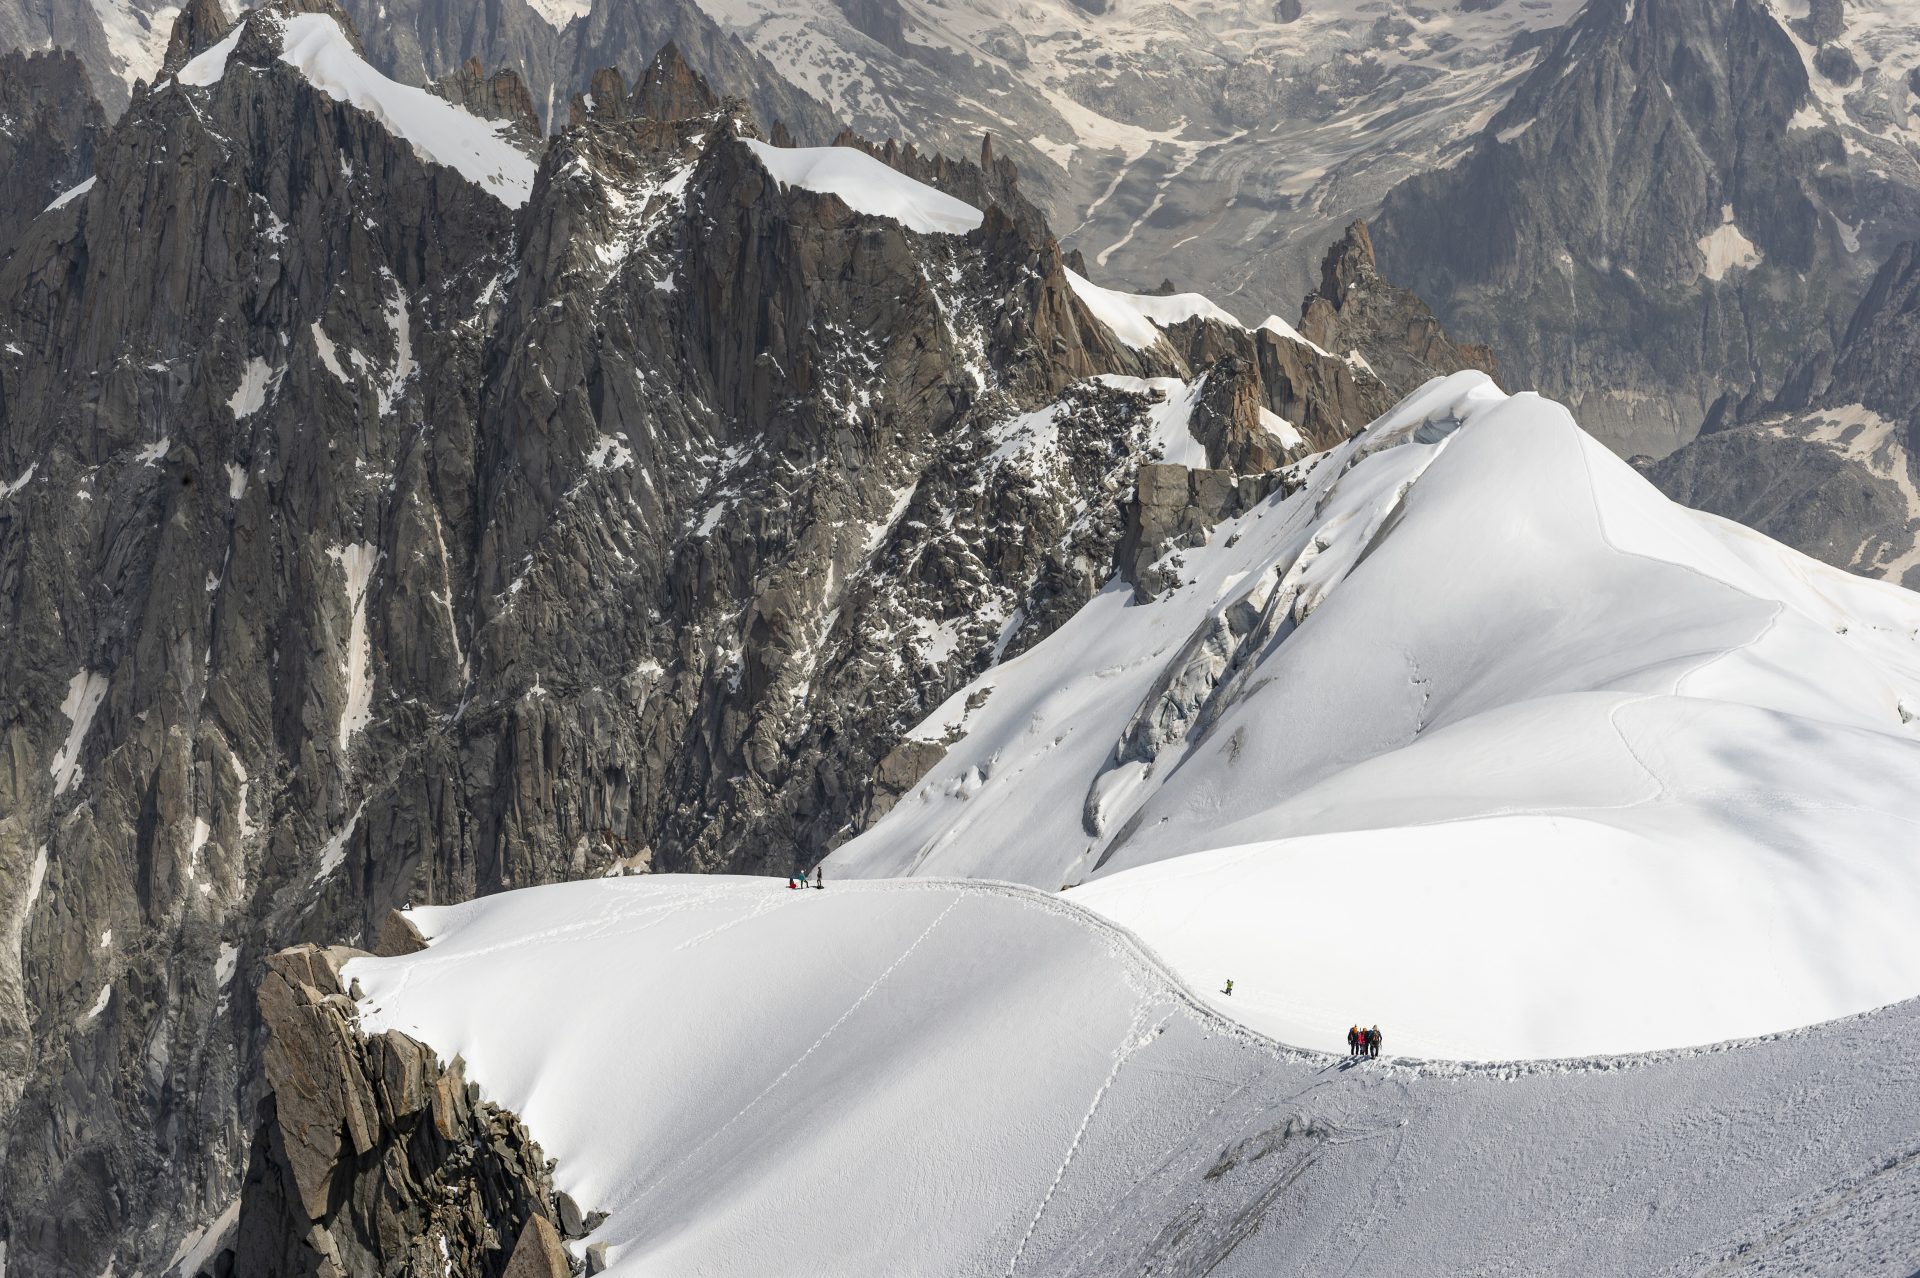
<point x="937" y="1077"/>
<point x="1475" y="735"/>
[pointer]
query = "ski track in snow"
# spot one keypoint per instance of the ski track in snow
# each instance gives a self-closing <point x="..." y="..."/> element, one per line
<point x="1131" y="1042"/>
<point x="1068" y="1213"/>
<point x="784" y="1074"/>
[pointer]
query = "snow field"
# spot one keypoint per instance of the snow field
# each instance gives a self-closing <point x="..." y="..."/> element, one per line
<point x="938" y="1077"/>
<point x="1137" y="318"/>
<point x="729" y="1067"/>
<point x="1589" y="772"/>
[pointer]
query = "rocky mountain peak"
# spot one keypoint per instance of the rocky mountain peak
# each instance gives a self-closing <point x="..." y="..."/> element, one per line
<point x="500" y="96"/>
<point x="201" y="25"/>
<point x="671" y="89"/>
<point x="1673" y="205"/>
<point x="1348" y="262"/>
<point x="262" y="39"/>
<point x="1356" y="310"/>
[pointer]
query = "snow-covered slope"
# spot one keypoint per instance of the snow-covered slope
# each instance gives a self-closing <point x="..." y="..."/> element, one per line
<point x="439" y="132"/>
<point x="1476" y="735"/>
<point x="762" y="1062"/>
<point x="941" y="1078"/>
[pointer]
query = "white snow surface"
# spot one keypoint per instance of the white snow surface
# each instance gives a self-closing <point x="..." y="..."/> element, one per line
<point x="1588" y="771"/>
<point x="209" y="65"/>
<point x="440" y="132"/>
<point x="764" y="1049"/>
<point x="938" y="1077"/>
<point x="69" y="196"/>
<point x="1137" y="318"/>
<point x="867" y="185"/>
<point x="1475" y="737"/>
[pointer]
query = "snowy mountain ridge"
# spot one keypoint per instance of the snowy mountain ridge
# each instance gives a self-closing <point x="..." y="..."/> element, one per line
<point x="1477" y="648"/>
<point x="1688" y="836"/>
<point x="977" y="1078"/>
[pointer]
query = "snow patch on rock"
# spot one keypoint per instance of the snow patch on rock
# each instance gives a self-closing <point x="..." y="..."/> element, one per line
<point x="866" y="185"/>
<point x="439" y="132"/>
<point x="356" y="563"/>
<point x="1170" y="417"/>
<point x="69" y="196"/>
<point x="329" y="354"/>
<point x="257" y="382"/>
<point x="333" y="853"/>
<point x="1726" y="248"/>
<point x="99" y="1003"/>
<point x="85" y="691"/>
<point x="1137" y="318"/>
<point x="610" y="452"/>
<point x="207" y="67"/>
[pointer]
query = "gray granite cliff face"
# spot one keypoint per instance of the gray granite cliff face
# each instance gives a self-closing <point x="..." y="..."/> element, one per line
<point x="1827" y="465"/>
<point x="1676" y="204"/>
<point x="49" y="127"/>
<point x="374" y="1156"/>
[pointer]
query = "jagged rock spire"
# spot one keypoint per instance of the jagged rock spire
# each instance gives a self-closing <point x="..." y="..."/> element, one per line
<point x="500" y="96"/>
<point x="671" y="89"/>
<point x="201" y="24"/>
<point x="1355" y="309"/>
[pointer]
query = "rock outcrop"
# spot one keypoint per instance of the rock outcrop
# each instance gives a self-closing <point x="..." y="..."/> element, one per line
<point x="372" y="1156"/>
<point x="1356" y="310"/>
<point x="500" y="96"/>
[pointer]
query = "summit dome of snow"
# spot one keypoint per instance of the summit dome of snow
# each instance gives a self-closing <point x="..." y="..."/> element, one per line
<point x="1477" y="736"/>
<point x="866" y="185"/>
<point x="440" y="132"/>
